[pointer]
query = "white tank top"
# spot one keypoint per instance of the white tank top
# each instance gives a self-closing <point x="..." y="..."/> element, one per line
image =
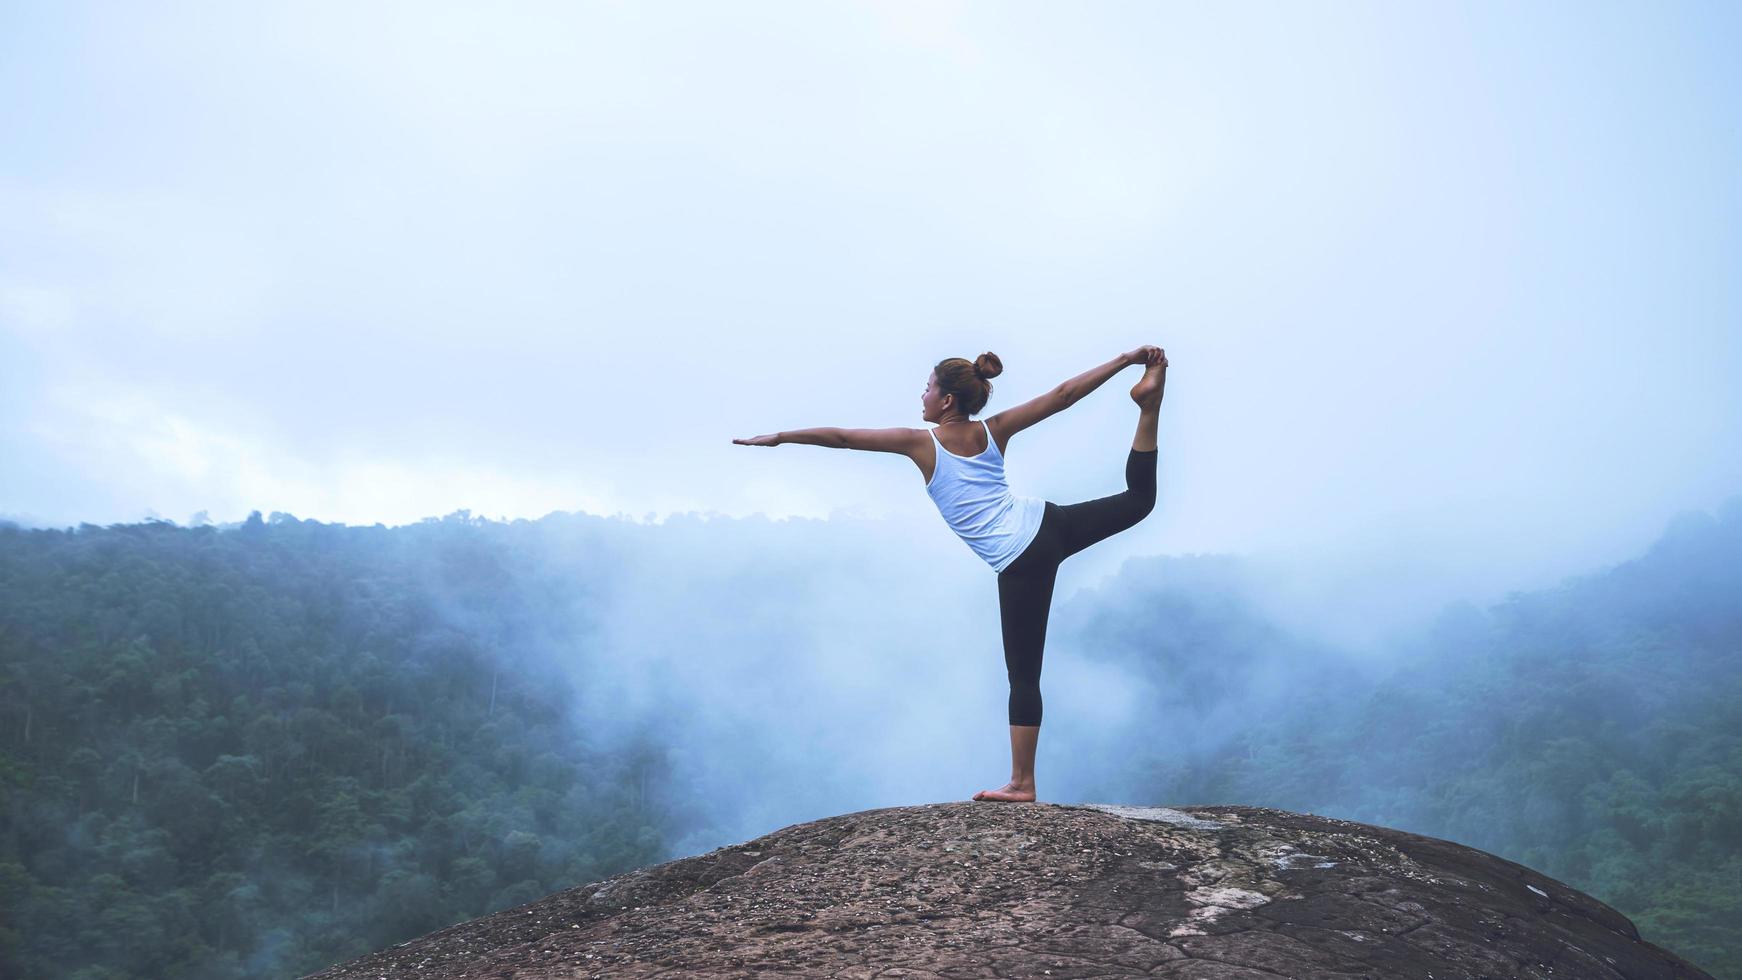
<point x="976" y="502"/>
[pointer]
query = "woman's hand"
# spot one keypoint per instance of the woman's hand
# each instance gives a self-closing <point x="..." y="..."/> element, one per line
<point x="1142" y="355"/>
<point x="773" y="439"/>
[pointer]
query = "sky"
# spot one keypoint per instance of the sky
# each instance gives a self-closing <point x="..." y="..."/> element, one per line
<point x="1448" y="292"/>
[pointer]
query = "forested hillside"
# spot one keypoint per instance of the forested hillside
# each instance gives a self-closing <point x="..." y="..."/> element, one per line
<point x="256" y="752"/>
<point x="259" y="750"/>
<point x="1592" y="731"/>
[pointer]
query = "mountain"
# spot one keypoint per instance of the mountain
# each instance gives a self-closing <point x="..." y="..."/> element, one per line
<point x="1044" y="890"/>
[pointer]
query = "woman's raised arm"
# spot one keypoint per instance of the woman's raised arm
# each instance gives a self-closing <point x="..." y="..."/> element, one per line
<point x="1018" y="417"/>
<point x="1095" y="377"/>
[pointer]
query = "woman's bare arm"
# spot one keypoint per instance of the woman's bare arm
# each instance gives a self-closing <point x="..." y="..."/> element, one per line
<point x="1095" y="377"/>
<point x="831" y="436"/>
<point x="1067" y="393"/>
<point x="898" y="440"/>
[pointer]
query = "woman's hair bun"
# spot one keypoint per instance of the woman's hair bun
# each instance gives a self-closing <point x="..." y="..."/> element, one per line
<point x="988" y="365"/>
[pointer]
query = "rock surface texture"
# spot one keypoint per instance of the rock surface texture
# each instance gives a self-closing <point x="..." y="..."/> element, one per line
<point x="1045" y="890"/>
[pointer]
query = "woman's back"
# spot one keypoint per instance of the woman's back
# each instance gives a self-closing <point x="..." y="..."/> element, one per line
<point x="973" y="496"/>
<point x="968" y="438"/>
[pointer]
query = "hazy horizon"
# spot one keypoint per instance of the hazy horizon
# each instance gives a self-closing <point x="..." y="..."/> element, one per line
<point x="1448" y="292"/>
<point x="1368" y="609"/>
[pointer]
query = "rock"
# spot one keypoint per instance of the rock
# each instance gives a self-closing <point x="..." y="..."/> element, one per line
<point x="1045" y="890"/>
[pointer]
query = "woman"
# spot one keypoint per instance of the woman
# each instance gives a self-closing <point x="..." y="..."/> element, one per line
<point x="1023" y="538"/>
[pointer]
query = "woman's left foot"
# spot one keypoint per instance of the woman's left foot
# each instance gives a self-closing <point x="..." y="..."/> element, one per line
<point x="1011" y="793"/>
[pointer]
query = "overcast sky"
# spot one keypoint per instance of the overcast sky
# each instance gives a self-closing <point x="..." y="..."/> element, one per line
<point x="1452" y="287"/>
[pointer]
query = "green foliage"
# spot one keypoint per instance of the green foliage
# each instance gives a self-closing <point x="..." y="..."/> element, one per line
<point x="1592" y="732"/>
<point x="259" y="752"/>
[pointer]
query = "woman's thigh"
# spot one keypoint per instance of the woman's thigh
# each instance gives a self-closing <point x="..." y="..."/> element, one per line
<point x="1083" y="524"/>
<point x="1024" y="605"/>
<point x="1025" y="594"/>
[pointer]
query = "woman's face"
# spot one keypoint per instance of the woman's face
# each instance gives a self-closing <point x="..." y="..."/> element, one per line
<point x="932" y="401"/>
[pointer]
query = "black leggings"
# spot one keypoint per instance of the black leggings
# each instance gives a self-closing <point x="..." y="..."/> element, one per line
<point x="1025" y="585"/>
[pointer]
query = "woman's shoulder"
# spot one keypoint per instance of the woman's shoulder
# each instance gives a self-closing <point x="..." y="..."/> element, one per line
<point x="995" y="429"/>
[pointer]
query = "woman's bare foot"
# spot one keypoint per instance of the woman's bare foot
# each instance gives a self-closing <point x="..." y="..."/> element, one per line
<point x="1147" y="391"/>
<point x="1012" y="792"/>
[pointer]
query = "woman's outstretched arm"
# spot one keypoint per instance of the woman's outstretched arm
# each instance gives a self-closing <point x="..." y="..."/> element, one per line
<point x="903" y="441"/>
<point x="825" y="436"/>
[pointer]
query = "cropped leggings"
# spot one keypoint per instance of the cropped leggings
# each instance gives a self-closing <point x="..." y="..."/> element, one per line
<point x="1025" y="585"/>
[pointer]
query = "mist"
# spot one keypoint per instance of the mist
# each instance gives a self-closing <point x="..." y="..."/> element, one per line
<point x="369" y="376"/>
<point x="1451" y="282"/>
<point x="791" y="670"/>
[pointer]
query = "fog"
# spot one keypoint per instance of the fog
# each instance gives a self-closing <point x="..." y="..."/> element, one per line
<point x="791" y="670"/>
<point x="1448" y="295"/>
<point x="1448" y="292"/>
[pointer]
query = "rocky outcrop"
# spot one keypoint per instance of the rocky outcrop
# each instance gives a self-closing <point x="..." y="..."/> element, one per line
<point x="1044" y="890"/>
